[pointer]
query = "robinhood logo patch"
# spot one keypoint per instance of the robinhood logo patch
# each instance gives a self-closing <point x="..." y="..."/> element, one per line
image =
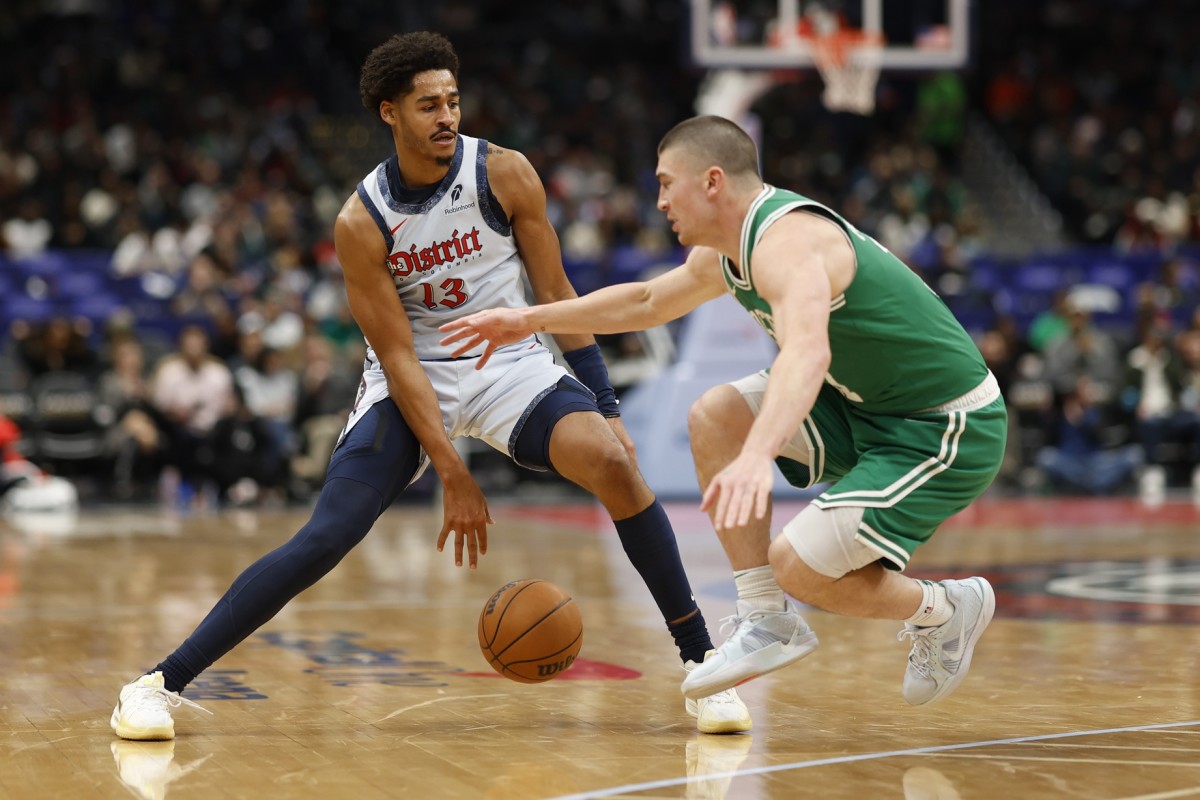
<point x="454" y="207"/>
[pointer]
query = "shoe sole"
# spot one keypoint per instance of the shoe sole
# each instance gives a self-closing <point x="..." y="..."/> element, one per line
<point x="724" y="726"/>
<point x="719" y="726"/>
<point x="989" y="610"/>
<point x="139" y="734"/>
<point x="770" y="658"/>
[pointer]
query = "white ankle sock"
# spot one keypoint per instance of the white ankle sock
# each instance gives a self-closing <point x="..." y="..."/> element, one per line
<point x="935" y="607"/>
<point x="757" y="589"/>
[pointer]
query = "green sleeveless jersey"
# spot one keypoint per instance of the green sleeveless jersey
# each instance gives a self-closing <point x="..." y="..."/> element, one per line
<point x="896" y="347"/>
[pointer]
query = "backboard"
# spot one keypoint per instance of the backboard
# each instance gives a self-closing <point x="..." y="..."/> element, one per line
<point x="919" y="35"/>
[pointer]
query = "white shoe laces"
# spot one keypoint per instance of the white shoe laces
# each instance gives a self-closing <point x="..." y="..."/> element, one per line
<point x="152" y="698"/>
<point x="729" y="697"/>
<point x="732" y="622"/>
<point x="922" y="649"/>
<point x="725" y="698"/>
<point x="745" y="628"/>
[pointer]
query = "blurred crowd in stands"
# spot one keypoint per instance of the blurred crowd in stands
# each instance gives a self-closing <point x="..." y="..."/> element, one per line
<point x="204" y="147"/>
<point x="1101" y="100"/>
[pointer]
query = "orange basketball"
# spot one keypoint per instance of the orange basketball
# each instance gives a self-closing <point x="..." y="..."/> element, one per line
<point x="530" y="631"/>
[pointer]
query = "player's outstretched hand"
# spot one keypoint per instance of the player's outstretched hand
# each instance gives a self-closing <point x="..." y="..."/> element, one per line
<point x="741" y="489"/>
<point x="495" y="327"/>
<point x="465" y="511"/>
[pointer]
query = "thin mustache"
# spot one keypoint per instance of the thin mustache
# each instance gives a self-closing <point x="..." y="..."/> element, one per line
<point x="443" y="130"/>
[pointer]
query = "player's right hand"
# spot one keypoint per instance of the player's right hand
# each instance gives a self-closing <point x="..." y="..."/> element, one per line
<point x="465" y="512"/>
<point x="496" y="327"/>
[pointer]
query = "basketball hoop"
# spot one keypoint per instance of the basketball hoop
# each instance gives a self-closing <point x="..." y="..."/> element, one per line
<point x="849" y="62"/>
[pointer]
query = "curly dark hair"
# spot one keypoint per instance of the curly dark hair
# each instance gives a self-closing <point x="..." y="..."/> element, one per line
<point x="390" y="67"/>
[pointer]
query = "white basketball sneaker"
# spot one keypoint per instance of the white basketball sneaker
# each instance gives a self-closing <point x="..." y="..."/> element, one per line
<point x="761" y="642"/>
<point x="723" y="712"/>
<point x="143" y="711"/>
<point x="941" y="654"/>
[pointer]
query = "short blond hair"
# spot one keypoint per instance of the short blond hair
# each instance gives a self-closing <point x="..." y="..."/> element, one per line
<point x="717" y="140"/>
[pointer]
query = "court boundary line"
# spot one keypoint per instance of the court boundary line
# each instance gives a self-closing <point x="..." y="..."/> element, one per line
<point x="823" y="762"/>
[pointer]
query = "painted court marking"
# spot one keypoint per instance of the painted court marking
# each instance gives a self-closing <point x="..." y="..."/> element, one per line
<point x="822" y="762"/>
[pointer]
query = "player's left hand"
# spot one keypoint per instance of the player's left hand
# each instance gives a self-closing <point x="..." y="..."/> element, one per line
<point x="497" y="327"/>
<point x="742" y="488"/>
<point x="465" y="512"/>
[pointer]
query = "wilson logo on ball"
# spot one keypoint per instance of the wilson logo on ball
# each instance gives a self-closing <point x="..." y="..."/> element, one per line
<point x="550" y="670"/>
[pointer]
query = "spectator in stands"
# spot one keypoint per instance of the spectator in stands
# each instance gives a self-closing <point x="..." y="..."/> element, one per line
<point x="270" y="391"/>
<point x="192" y="391"/>
<point x="59" y="345"/>
<point x="201" y="298"/>
<point x="249" y="348"/>
<point x="246" y="465"/>
<point x="1052" y="324"/>
<point x="342" y="331"/>
<point x="1151" y="394"/>
<point x="1086" y="351"/>
<point x="903" y="228"/>
<point x="281" y="327"/>
<point x="135" y="437"/>
<point x="326" y="391"/>
<point x="942" y="114"/>
<point x="28" y="233"/>
<point x="133" y="254"/>
<point x="1078" y="458"/>
<point x="1176" y="291"/>
<point x="1187" y="344"/>
<point x="1009" y="91"/>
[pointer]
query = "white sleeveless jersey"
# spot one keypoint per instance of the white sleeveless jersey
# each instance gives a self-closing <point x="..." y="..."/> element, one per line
<point x="450" y="256"/>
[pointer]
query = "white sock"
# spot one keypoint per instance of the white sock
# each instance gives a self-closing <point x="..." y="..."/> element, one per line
<point x="935" y="607"/>
<point x="757" y="589"/>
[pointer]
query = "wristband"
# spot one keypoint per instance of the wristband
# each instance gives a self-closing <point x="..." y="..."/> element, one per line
<point x="588" y="365"/>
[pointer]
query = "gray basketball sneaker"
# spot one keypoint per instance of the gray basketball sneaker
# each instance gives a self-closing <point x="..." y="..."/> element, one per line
<point x="761" y="642"/>
<point x="941" y="654"/>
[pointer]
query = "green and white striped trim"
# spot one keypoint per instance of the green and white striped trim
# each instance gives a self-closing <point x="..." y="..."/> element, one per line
<point x="882" y="545"/>
<point x="741" y="279"/>
<point x="816" y="447"/>
<point x="910" y="482"/>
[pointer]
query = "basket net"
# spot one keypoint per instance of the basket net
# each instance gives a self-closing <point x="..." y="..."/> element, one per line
<point x="849" y="62"/>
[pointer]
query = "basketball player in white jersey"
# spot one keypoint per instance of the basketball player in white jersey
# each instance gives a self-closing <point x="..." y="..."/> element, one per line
<point x="445" y="227"/>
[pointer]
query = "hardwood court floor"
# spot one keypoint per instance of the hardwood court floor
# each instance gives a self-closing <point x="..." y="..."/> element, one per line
<point x="371" y="685"/>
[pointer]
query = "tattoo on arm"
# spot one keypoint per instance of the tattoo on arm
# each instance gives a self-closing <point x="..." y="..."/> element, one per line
<point x="493" y="150"/>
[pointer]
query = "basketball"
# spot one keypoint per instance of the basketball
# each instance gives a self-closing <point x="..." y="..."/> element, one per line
<point x="530" y="631"/>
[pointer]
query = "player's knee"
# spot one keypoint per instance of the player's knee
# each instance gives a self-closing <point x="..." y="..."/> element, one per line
<point x="609" y="466"/>
<point x="711" y="413"/>
<point x="825" y="540"/>
<point x="783" y="560"/>
<point x="344" y="514"/>
<point x="325" y="544"/>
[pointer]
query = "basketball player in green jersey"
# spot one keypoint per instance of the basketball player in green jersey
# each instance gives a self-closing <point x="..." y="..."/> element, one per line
<point x="876" y="389"/>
